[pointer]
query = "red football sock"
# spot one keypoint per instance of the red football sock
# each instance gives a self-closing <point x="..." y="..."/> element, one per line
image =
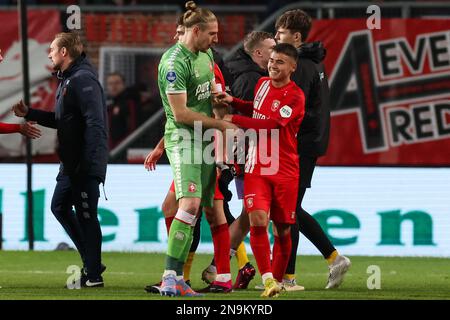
<point x="259" y="241"/>
<point x="221" y="240"/>
<point x="169" y="223"/>
<point x="281" y="254"/>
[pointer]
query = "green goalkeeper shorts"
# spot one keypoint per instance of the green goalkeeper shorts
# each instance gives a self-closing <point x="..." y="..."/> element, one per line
<point x="192" y="176"/>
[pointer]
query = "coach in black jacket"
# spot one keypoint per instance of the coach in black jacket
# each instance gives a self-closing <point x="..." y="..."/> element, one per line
<point x="80" y="118"/>
<point x="293" y="27"/>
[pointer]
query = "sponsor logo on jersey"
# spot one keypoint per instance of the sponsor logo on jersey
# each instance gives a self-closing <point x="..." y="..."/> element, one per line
<point x="286" y="112"/>
<point x="171" y="76"/>
<point x="257" y="115"/>
<point x="203" y="91"/>
<point x="275" y="105"/>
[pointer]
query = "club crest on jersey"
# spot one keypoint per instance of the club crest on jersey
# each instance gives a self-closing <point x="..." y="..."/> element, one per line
<point x="197" y="74"/>
<point x="286" y="112"/>
<point x="249" y="202"/>
<point x="179" y="235"/>
<point x="192" y="187"/>
<point x="171" y="76"/>
<point x="275" y="105"/>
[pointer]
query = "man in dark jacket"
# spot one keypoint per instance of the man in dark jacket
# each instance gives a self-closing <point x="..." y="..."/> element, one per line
<point x="123" y="108"/>
<point x="80" y="118"/>
<point x="249" y="64"/>
<point x="293" y="27"/>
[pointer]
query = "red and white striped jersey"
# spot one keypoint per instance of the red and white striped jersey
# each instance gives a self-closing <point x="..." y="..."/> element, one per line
<point x="276" y="152"/>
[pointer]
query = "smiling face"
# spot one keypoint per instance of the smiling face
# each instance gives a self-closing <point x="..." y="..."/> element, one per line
<point x="281" y="66"/>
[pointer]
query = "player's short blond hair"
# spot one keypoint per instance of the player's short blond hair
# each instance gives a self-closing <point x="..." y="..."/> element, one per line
<point x="254" y="39"/>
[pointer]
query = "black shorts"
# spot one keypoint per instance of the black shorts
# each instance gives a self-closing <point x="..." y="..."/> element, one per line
<point x="307" y="165"/>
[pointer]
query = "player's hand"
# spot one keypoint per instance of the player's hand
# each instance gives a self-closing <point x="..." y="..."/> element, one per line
<point x="222" y="98"/>
<point x="152" y="158"/>
<point x="29" y="130"/>
<point x="20" y="109"/>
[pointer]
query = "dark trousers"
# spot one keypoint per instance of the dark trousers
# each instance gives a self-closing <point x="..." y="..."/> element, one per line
<point x="306" y="223"/>
<point x="82" y="226"/>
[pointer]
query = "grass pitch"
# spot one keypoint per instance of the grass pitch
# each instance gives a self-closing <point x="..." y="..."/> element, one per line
<point x="42" y="275"/>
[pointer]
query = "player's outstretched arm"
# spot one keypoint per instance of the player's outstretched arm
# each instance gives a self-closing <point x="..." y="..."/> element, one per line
<point x="27" y="129"/>
<point x="44" y="118"/>
<point x="186" y="116"/>
<point x="251" y="123"/>
<point x="245" y="107"/>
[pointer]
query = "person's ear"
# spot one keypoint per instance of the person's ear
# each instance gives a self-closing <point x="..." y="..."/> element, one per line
<point x="298" y="36"/>
<point x="196" y="30"/>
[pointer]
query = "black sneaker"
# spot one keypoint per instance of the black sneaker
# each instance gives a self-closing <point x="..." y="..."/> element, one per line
<point x="218" y="287"/>
<point x="153" y="288"/>
<point x="96" y="283"/>
<point x="86" y="283"/>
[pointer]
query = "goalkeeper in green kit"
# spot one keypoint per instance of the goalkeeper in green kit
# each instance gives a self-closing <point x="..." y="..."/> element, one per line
<point x="186" y="82"/>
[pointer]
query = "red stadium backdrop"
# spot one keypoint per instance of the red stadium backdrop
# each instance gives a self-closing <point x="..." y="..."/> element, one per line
<point x="390" y="91"/>
<point x="42" y="27"/>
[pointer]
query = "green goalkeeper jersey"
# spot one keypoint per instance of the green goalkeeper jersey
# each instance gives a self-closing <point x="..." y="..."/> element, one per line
<point x="182" y="71"/>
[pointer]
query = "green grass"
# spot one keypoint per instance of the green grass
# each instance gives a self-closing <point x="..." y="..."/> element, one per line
<point x="42" y="275"/>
